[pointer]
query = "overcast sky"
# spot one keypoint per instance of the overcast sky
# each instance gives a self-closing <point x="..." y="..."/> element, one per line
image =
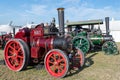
<point x="38" y="11"/>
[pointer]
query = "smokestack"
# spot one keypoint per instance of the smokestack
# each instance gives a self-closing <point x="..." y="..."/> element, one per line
<point x="61" y="20"/>
<point x="107" y="25"/>
<point x="14" y="31"/>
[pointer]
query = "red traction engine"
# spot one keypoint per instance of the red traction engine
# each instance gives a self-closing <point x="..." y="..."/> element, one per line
<point x="43" y="44"/>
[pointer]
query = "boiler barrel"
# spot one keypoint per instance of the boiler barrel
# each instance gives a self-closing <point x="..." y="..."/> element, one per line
<point x="100" y="39"/>
<point x="52" y="43"/>
<point x="60" y="43"/>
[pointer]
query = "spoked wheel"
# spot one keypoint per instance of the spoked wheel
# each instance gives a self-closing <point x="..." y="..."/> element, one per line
<point x="16" y="54"/>
<point x="109" y="47"/>
<point x="77" y="59"/>
<point x="82" y="43"/>
<point x="56" y="63"/>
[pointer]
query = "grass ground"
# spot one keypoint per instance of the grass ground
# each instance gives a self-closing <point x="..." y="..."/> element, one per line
<point x="103" y="67"/>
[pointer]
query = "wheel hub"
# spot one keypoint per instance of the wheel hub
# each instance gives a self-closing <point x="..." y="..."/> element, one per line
<point x="56" y="63"/>
<point x="14" y="54"/>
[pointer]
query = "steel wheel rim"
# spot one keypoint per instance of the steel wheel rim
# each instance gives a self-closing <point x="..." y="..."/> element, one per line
<point x="110" y="47"/>
<point x="82" y="43"/>
<point x="56" y="64"/>
<point x="14" y="55"/>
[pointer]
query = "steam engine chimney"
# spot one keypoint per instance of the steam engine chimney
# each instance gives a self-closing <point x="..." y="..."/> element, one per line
<point x="61" y="20"/>
<point x="107" y="25"/>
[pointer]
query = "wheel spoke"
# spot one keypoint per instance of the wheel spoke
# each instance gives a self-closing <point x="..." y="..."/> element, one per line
<point x="17" y="62"/>
<point x="59" y="69"/>
<point x="58" y="57"/>
<point x="53" y="57"/>
<point x="14" y="45"/>
<point x="11" y="61"/>
<point x="11" y="47"/>
<point x="14" y="65"/>
<point x="18" y="49"/>
<point x="60" y="60"/>
<point x="80" y="42"/>
<point x="62" y="64"/>
<point x="10" y="56"/>
<point x="21" y="57"/>
<point x="51" y="62"/>
<point x="11" y="52"/>
<point x="53" y="68"/>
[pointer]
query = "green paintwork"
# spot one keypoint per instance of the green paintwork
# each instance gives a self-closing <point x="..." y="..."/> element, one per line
<point x="96" y="39"/>
<point x="82" y="43"/>
<point x="89" y="37"/>
<point x="110" y="47"/>
<point x="82" y="33"/>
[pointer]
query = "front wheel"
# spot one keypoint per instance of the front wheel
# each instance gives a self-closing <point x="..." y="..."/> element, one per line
<point x="110" y="47"/>
<point x="56" y="63"/>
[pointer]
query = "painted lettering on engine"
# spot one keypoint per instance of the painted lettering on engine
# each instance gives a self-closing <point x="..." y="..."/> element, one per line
<point x="37" y="32"/>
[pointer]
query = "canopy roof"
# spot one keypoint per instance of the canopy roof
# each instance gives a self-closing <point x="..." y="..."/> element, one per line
<point x="88" y="22"/>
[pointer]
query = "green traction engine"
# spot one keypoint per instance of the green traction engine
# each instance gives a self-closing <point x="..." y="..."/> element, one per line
<point x="88" y="36"/>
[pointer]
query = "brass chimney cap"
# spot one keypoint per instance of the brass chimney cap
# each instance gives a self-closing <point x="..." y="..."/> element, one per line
<point x="60" y="9"/>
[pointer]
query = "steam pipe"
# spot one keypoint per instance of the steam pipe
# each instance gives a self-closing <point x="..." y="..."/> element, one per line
<point x="107" y="25"/>
<point x="61" y="20"/>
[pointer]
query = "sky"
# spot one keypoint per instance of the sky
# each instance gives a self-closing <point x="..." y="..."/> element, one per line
<point x="42" y="11"/>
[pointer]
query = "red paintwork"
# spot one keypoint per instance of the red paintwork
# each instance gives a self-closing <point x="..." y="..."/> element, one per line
<point x="37" y="32"/>
<point x="56" y="63"/>
<point x="14" y="55"/>
<point x="38" y="43"/>
<point x="17" y="55"/>
<point x="23" y="34"/>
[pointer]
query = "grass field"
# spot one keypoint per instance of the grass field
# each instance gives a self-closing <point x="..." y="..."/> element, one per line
<point x="103" y="67"/>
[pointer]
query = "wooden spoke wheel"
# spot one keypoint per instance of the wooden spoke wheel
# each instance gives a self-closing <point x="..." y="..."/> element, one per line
<point x="56" y="63"/>
<point x="16" y="54"/>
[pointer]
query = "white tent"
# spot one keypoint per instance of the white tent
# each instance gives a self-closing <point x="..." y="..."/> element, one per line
<point x="5" y="28"/>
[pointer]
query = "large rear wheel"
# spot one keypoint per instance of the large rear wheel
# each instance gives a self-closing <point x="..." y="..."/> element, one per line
<point x="77" y="59"/>
<point x="16" y="54"/>
<point x="82" y="43"/>
<point x="56" y="63"/>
